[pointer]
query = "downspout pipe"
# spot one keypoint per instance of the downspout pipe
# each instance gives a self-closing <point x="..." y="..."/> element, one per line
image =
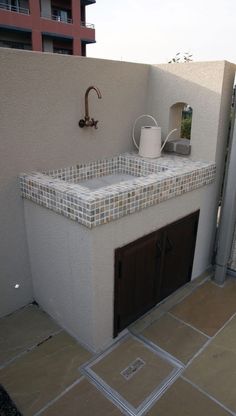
<point x="228" y="211"/>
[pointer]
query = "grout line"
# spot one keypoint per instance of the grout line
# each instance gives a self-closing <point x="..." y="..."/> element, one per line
<point x="198" y="352"/>
<point x="51" y="402"/>
<point x="170" y="356"/>
<point x="208" y="395"/>
<point x="159" y="394"/>
<point x="163" y="353"/>
<point x="115" y="396"/>
<point x="192" y="287"/>
<point x="134" y="331"/>
<point x="187" y="324"/>
<point x="109" y="391"/>
<point x="210" y="340"/>
<point x="105" y="393"/>
<point x="99" y="356"/>
<point x="223" y="326"/>
<point x="29" y="349"/>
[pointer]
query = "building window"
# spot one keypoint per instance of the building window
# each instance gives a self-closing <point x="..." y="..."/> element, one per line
<point x="62" y="51"/>
<point x="63" y="46"/>
<point x="61" y="15"/>
<point x="83" y="48"/>
<point x="15" y="45"/>
<point x="19" y="6"/>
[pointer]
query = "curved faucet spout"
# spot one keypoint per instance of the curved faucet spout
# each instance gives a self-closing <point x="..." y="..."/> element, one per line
<point x="86" y="99"/>
<point x="87" y="121"/>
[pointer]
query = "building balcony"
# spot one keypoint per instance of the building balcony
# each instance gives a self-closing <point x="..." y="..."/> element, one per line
<point x="87" y="2"/>
<point x="87" y="25"/>
<point x="64" y="19"/>
<point x="57" y="18"/>
<point x="15" y="9"/>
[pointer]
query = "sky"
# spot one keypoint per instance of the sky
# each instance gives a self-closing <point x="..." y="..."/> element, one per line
<point x="153" y="31"/>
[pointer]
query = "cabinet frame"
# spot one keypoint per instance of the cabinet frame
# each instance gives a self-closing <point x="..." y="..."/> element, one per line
<point x="159" y="248"/>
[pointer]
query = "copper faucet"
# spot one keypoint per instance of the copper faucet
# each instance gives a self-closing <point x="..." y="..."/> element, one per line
<point x="87" y="121"/>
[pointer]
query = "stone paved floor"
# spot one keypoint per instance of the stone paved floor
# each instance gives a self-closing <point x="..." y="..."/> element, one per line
<point x="179" y="359"/>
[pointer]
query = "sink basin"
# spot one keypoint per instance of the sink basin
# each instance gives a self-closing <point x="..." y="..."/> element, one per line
<point x="106" y="180"/>
<point x="97" y="192"/>
<point x="106" y="172"/>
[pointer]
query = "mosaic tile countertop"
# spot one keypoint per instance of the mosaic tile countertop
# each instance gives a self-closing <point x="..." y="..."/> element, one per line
<point x="141" y="183"/>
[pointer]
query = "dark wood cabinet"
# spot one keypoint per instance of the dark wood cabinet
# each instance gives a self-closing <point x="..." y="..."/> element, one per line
<point x="151" y="268"/>
<point x="179" y="246"/>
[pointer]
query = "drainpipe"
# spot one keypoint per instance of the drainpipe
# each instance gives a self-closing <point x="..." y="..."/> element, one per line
<point x="228" y="211"/>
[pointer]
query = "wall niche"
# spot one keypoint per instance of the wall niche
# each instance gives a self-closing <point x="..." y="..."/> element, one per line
<point x="180" y="117"/>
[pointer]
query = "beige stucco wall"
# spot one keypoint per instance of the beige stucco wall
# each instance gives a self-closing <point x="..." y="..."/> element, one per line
<point x="207" y="88"/>
<point x="202" y="85"/>
<point x="73" y="266"/>
<point x="42" y="100"/>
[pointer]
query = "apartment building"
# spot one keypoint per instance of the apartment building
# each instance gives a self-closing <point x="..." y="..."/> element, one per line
<point x="57" y="26"/>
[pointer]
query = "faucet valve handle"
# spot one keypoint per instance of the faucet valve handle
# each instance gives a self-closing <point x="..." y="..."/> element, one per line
<point x="95" y="123"/>
<point x="82" y="123"/>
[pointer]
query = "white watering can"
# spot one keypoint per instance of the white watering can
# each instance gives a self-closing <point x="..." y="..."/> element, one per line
<point x="150" y="139"/>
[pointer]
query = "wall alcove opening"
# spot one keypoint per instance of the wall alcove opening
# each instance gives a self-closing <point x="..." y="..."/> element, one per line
<point x="180" y="117"/>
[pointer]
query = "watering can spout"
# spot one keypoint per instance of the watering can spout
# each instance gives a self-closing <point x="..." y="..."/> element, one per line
<point x="167" y="137"/>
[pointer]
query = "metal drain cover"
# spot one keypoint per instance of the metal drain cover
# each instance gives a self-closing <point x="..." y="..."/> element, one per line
<point x="132" y="369"/>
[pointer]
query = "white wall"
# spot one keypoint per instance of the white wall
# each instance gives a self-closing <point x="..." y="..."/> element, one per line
<point x="207" y="88"/>
<point x="73" y="266"/>
<point x="42" y="100"/>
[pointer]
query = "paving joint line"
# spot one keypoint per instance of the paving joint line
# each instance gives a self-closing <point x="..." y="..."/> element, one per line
<point x="51" y="402"/>
<point x="192" y="287"/>
<point x="115" y="396"/>
<point x="208" y="395"/>
<point x="29" y="349"/>
<point x="188" y="324"/>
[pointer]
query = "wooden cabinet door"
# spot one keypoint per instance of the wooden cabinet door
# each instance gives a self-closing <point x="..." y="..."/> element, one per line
<point x="151" y="268"/>
<point x="136" y="279"/>
<point x="179" y="245"/>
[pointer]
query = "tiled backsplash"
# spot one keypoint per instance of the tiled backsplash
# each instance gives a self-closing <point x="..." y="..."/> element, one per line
<point x="155" y="180"/>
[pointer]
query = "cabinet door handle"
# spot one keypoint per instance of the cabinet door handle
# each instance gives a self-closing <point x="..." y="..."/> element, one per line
<point x="159" y="249"/>
<point x="169" y="245"/>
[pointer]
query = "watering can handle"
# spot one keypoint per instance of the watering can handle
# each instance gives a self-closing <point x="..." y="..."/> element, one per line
<point x="168" y="136"/>
<point x="143" y="115"/>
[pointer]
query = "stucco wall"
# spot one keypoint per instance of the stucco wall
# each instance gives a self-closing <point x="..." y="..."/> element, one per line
<point x="201" y="85"/>
<point x="42" y="100"/>
<point x="207" y="88"/>
<point x="73" y="267"/>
